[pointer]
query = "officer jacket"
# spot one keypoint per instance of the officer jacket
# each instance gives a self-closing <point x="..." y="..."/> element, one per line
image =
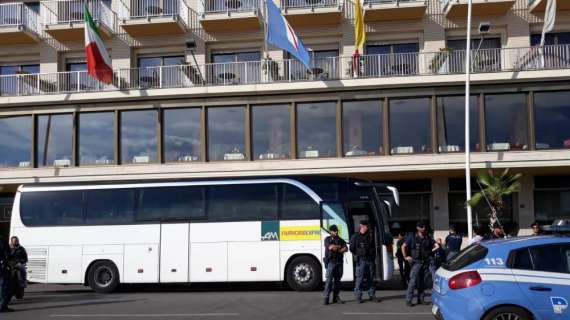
<point x="331" y="256"/>
<point x="362" y="245"/>
<point x="453" y="242"/>
<point x="420" y="248"/>
<point x="19" y="255"/>
<point x="4" y="256"/>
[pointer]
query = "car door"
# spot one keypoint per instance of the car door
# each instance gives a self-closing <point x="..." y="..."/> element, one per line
<point x="543" y="274"/>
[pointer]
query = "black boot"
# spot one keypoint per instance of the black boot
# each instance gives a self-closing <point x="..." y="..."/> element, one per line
<point x="409" y="303"/>
<point x="326" y="302"/>
<point x="338" y="300"/>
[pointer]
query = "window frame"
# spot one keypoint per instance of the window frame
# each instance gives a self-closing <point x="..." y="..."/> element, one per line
<point x="512" y="256"/>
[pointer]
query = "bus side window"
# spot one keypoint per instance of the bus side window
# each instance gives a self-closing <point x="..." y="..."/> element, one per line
<point x="241" y="202"/>
<point x="296" y="204"/>
<point x="110" y="206"/>
<point x="164" y="203"/>
<point x="52" y="208"/>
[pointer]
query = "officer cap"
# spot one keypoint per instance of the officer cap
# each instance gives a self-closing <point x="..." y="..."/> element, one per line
<point x="452" y="227"/>
<point x="333" y="228"/>
<point x="365" y="222"/>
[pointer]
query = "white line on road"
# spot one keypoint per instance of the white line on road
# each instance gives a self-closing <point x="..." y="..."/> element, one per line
<point x="146" y="315"/>
<point x="386" y="313"/>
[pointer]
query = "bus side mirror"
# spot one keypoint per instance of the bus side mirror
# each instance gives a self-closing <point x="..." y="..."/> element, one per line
<point x="395" y="194"/>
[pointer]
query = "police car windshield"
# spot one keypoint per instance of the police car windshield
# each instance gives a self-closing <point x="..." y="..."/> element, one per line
<point x="467" y="256"/>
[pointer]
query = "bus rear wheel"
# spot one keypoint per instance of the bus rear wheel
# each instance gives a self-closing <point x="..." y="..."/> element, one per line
<point x="303" y="274"/>
<point x="103" y="276"/>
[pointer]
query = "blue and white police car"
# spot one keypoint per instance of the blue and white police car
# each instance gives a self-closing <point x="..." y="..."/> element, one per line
<point x="525" y="278"/>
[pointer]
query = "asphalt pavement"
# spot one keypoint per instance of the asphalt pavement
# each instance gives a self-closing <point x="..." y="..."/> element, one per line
<point x="213" y="302"/>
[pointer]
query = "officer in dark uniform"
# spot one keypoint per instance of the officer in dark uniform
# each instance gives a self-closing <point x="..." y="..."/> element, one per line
<point x="452" y="243"/>
<point x="363" y="249"/>
<point x="418" y="251"/>
<point x="335" y="247"/>
<point x="5" y="294"/>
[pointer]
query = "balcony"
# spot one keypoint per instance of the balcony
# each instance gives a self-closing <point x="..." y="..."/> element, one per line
<point x="444" y="62"/>
<point x="64" y="20"/>
<point x="230" y="15"/>
<point x="392" y="10"/>
<point x="303" y="13"/>
<point x="458" y="8"/>
<point x="19" y="24"/>
<point x="539" y="6"/>
<point x="154" y="17"/>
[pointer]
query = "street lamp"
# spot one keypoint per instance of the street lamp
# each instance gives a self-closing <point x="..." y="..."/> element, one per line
<point x="467" y="140"/>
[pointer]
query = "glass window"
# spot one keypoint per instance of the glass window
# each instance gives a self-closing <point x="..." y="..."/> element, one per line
<point x="391" y="59"/>
<point x="235" y="67"/>
<point x="506" y="122"/>
<point x="271" y="132"/>
<point x="552" y="120"/>
<point x="96" y="138"/>
<point x="17" y="150"/>
<point x="362" y="128"/>
<point x="18" y="85"/>
<point x="77" y="78"/>
<point x="551" y="198"/>
<point x="560" y="38"/>
<point x="410" y="126"/>
<point x="551" y="258"/>
<point x="415" y="204"/>
<point x="522" y="260"/>
<point x="139" y="136"/>
<point x="163" y="203"/>
<point x="466" y="257"/>
<point x="55" y="133"/>
<point x="324" y="66"/>
<point x="451" y="123"/>
<point x="52" y="208"/>
<point x="296" y="204"/>
<point x="316" y="129"/>
<point x="226" y="133"/>
<point x="242" y="202"/>
<point x="151" y="75"/>
<point x="109" y="206"/>
<point x="486" y="55"/>
<point x="182" y="134"/>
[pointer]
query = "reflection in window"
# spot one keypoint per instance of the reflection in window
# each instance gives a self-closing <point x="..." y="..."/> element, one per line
<point x="138" y="136"/>
<point x="486" y="55"/>
<point x="17" y="150"/>
<point x="415" y="205"/>
<point x="451" y="124"/>
<point x="316" y="129"/>
<point x="54" y="140"/>
<point x="362" y="128"/>
<point x="552" y="119"/>
<point x="235" y="67"/>
<point x="551" y="198"/>
<point x="271" y="131"/>
<point x="410" y="126"/>
<point x="391" y="59"/>
<point x="506" y="122"/>
<point x="159" y="71"/>
<point x="226" y="133"/>
<point x="182" y="134"/>
<point x="96" y="136"/>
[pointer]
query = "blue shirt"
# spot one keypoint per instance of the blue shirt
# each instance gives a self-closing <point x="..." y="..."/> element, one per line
<point x="453" y="242"/>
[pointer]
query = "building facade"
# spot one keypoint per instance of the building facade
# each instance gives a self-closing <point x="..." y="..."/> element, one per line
<point x="196" y="94"/>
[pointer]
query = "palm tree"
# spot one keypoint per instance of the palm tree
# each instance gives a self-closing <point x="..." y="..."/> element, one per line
<point x="494" y="188"/>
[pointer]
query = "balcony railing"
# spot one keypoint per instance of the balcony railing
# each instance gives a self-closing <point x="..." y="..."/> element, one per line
<point x="71" y="11"/>
<point x="19" y="15"/>
<point x="136" y="9"/>
<point x="396" y="2"/>
<point x="300" y="4"/>
<point x="228" y="6"/>
<point x="282" y="71"/>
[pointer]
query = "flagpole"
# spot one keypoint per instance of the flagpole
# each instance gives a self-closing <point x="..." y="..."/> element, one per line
<point x="467" y="139"/>
<point x="265" y="45"/>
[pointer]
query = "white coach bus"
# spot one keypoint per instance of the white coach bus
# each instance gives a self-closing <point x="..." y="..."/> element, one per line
<point x="267" y="229"/>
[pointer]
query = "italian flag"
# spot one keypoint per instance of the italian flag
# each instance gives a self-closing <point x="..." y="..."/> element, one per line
<point x="98" y="60"/>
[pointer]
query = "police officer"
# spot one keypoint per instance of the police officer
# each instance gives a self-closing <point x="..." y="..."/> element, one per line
<point x="19" y="258"/>
<point x="497" y="232"/>
<point x="5" y="294"/>
<point x="452" y="243"/>
<point x="536" y="230"/>
<point x="335" y="247"/>
<point x="363" y="249"/>
<point x="418" y="251"/>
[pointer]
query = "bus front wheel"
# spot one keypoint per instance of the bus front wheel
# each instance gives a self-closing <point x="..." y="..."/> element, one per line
<point x="103" y="276"/>
<point x="304" y="274"/>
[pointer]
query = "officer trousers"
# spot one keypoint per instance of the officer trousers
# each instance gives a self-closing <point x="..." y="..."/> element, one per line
<point x="5" y="294"/>
<point x="365" y="273"/>
<point x="418" y="277"/>
<point x="333" y="276"/>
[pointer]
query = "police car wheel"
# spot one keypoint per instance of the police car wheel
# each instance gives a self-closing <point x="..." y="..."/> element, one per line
<point x="103" y="277"/>
<point x="508" y="313"/>
<point x="303" y="274"/>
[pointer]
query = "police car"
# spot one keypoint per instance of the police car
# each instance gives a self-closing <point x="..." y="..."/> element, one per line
<point x="525" y="278"/>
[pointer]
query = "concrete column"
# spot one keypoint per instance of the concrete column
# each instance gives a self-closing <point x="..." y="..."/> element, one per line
<point x="526" y="204"/>
<point x="440" y="208"/>
<point x="48" y="58"/>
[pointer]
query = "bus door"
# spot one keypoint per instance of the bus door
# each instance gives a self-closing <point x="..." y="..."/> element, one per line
<point x="364" y="210"/>
<point x="174" y="250"/>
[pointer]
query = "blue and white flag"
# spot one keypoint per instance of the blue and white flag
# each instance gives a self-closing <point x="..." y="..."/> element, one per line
<point x="281" y="35"/>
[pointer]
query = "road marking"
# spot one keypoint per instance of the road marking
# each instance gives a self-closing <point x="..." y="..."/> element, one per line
<point x="146" y="315"/>
<point x="386" y="313"/>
